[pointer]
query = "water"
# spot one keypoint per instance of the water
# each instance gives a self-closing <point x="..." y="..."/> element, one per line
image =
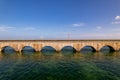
<point x="60" y="66"/>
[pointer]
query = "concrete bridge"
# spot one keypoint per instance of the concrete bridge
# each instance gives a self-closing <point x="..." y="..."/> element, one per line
<point x="18" y="45"/>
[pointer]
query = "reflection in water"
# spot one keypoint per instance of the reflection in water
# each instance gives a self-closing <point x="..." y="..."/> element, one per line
<point x="27" y="53"/>
<point x="58" y="66"/>
<point x="107" y="53"/>
<point x="87" y="53"/>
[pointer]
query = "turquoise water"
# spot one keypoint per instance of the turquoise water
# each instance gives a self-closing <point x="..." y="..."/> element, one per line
<point x="59" y="66"/>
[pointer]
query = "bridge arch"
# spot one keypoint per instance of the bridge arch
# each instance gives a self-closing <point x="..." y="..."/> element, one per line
<point x="48" y="48"/>
<point x="27" y="49"/>
<point x="87" y="48"/>
<point x="7" y="49"/>
<point x="68" y="48"/>
<point x="108" y="48"/>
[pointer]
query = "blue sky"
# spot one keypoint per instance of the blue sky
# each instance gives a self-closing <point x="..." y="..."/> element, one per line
<point x="55" y="19"/>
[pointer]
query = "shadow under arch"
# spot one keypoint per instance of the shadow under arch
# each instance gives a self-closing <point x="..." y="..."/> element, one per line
<point x="88" y="50"/>
<point x="8" y="50"/>
<point x="68" y="50"/>
<point x="28" y="50"/>
<point x="107" y="49"/>
<point x="48" y="50"/>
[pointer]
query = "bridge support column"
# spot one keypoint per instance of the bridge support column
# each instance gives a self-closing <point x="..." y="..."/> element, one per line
<point x="77" y="47"/>
<point x="18" y="48"/>
<point x="58" y="49"/>
<point x="0" y="50"/>
<point x="116" y="49"/>
<point x="98" y="47"/>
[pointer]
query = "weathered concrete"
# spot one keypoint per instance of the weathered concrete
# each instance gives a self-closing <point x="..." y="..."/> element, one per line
<point x="18" y="45"/>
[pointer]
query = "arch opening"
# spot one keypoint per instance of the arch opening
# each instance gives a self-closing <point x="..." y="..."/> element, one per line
<point x="68" y="50"/>
<point x="28" y="50"/>
<point x="8" y="50"/>
<point x="107" y="49"/>
<point x="48" y="50"/>
<point x="88" y="50"/>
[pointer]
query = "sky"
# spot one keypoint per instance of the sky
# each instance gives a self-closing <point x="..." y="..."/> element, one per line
<point x="59" y="19"/>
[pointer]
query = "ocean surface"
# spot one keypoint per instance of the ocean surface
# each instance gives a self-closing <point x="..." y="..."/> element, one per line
<point x="60" y="66"/>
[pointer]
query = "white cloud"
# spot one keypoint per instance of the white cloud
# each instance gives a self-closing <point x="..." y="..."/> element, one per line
<point x="99" y="27"/>
<point x="78" y="24"/>
<point x="117" y="18"/>
<point x="116" y="22"/>
<point x="10" y="28"/>
<point x="6" y="28"/>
